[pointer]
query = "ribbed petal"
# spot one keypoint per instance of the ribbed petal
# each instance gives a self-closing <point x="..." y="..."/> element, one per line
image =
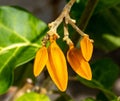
<point x="40" y="60"/>
<point x="57" y="66"/>
<point x="86" y="47"/>
<point x="78" y="63"/>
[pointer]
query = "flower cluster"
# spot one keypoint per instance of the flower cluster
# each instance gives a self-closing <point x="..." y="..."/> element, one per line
<point x="79" y="58"/>
<point x="55" y="61"/>
<point x="53" y="57"/>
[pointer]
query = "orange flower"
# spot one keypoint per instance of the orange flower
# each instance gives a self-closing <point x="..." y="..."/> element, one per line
<point x="55" y="62"/>
<point x="57" y="66"/>
<point x="78" y="63"/>
<point x="40" y="60"/>
<point x="86" y="47"/>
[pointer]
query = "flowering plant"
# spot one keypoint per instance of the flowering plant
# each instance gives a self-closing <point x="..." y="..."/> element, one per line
<point x="51" y="56"/>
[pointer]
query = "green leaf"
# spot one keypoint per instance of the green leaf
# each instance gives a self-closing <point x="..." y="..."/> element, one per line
<point x="105" y="4"/>
<point x="105" y="72"/>
<point x="105" y="19"/>
<point x="115" y="40"/>
<point x="89" y="99"/>
<point x="104" y="27"/>
<point x="80" y="5"/>
<point x="20" y="37"/>
<point x="101" y="96"/>
<point x="33" y="97"/>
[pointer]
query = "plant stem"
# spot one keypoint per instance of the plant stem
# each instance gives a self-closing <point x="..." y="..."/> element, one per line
<point x="76" y="28"/>
<point x="66" y="34"/>
<point x="86" y="15"/>
<point x="109" y="94"/>
<point x="54" y="25"/>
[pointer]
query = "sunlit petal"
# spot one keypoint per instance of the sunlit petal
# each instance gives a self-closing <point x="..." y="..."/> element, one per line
<point x="78" y="63"/>
<point x="86" y="47"/>
<point x="40" y="60"/>
<point x="57" y="66"/>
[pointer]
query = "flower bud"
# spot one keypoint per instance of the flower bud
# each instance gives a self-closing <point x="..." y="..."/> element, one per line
<point x="78" y="63"/>
<point x="86" y="47"/>
<point x="57" y="66"/>
<point x="40" y="60"/>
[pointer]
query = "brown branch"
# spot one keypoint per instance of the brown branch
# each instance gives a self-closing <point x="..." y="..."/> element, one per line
<point x="54" y="25"/>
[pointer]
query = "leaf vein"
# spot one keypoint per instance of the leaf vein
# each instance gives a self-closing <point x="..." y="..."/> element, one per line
<point x="3" y="50"/>
<point x="13" y="31"/>
<point x="9" y="59"/>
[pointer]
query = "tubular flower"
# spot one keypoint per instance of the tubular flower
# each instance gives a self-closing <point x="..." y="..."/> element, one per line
<point x="55" y="62"/>
<point x="78" y="63"/>
<point x="86" y="47"/>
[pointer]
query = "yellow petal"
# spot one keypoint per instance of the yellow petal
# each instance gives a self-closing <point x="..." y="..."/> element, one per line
<point x="86" y="47"/>
<point x="78" y="63"/>
<point x="40" y="60"/>
<point x="57" y="66"/>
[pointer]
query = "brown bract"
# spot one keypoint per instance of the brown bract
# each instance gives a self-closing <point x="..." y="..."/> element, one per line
<point x="78" y="63"/>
